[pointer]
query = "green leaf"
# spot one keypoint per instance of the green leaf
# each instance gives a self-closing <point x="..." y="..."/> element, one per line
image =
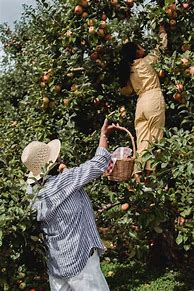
<point x="186" y="212"/>
<point x="186" y="247"/>
<point x="179" y="239"/>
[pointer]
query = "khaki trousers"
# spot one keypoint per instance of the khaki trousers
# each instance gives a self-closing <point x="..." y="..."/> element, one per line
<point x="149" y="123"/>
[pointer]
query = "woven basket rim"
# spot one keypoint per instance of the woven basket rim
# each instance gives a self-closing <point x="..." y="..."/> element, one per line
<point x="126" y="159"/>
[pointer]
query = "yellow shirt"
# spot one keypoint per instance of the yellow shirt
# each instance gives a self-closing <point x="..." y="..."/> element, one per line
<point x="143" y="76"/>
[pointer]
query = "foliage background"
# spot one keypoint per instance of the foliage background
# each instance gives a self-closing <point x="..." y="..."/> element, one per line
<point x="60" y="80"/>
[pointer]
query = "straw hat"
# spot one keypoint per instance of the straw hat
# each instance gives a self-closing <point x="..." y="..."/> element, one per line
<point x="37" y="154"/>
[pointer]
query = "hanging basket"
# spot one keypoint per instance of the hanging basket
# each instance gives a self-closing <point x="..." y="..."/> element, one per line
<point x="123" y="168"/>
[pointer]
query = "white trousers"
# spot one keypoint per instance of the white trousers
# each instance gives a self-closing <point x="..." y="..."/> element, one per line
<point x="90" y="278"/>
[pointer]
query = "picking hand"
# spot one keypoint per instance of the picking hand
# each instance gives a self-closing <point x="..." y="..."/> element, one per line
<point x="108" y="128"/>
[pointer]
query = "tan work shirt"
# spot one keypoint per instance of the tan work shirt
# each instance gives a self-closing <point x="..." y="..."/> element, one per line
<point x="143" y="76"/>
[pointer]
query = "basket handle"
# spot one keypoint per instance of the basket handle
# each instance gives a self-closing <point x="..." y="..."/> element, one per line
<point x="132" y="139"/>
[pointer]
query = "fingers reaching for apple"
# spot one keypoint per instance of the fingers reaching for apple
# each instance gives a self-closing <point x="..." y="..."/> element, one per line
<point x="108" y="128"/>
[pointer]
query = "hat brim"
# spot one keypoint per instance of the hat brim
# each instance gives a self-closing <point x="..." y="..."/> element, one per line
<point x="54" y="150"/>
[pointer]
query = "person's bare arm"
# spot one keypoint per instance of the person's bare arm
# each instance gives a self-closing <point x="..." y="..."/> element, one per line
<point x="105" y="131"/>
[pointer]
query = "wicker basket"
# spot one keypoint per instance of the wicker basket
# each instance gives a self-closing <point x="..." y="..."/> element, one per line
<point x="123" y="169"/>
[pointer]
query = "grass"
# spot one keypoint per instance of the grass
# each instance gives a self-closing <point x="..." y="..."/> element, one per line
<point x="138" y="277"/>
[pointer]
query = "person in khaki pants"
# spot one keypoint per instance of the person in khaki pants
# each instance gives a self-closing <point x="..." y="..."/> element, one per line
<point x="137" y="74"/>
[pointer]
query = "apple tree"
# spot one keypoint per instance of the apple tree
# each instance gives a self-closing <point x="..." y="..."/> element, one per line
<point x="59" y="80"/>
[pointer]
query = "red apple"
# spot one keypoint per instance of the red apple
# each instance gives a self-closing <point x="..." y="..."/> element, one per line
<point x="46" y="77"/>
<point x="180" y="87"/>
<point x="102" y="24"/>
<point x="78" y="10"/>
<point x="173" y="7"/>
<point x="42" y="84"/>
<point x="85" y="14"/>
<point x="62" y="167"/>
<point x="130" y="3"/>
<point x="191" y="70"/>
<point x="104" y="17"/>
<point x="45" y="100"/>
<point x="185" y="5"/>
<point x="57" y="88"/>
<point x="181" y="220"/>
<point x="66" y="101"/>
<point x="84" y="3"/>
<point x="94" y="56"/>
<point x="125" y="206"/>
<point x="178" y="97"/>
<point x="114" y="2"/>
<point x="171" y="13"/>
<point x="91" y="30"/>
<point x="161" y="74"/>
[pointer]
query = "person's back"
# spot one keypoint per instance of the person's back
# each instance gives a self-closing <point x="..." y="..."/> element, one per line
<point x="138" y="75"/>
<point x="67" y="218"/>
<point x="66" y="215"/>
<point x="143" y="76"/>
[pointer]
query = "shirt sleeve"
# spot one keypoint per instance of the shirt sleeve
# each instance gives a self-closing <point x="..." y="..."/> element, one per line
<point x="154" y="55"/>
<point x="127" y="90"/>
<point x="91" y="169"/>
<point x="75" y="178"/>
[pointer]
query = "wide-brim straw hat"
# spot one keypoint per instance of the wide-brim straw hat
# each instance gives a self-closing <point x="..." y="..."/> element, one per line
<point x="38" y="154"/>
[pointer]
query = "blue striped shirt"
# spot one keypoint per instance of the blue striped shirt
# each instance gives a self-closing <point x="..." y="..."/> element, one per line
<point x="67" y="217"/>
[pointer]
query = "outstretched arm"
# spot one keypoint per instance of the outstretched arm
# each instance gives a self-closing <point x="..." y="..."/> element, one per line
<point x="154" y="55"/>
<point x="77" y="177"/>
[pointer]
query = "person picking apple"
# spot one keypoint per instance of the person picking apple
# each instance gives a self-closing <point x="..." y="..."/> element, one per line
<point x="137" y="74"/>
<point x="65" y="212"/>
